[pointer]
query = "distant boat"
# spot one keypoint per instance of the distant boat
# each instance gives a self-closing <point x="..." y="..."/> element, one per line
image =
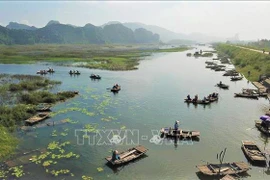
<point x="223" y="86"/>
<point x="42" y="72"/>
<point x="252" y="96"/>
<point x="180" y="133"/>
<point x="116" y="89"/>
<point x="94" y="76"/>
<point x="128" y="155"/>
<point x="76" y="73"/>
<point x="236" y="78"/>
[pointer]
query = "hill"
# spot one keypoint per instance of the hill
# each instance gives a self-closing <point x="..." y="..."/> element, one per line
<point x="57" y="33"/>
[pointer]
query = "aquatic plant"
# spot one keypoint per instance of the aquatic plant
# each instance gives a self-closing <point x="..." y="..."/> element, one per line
<point x="62" y="171"/>
<point x="7" y="143"/>
<point x="54" y="134"/>
<point x="17" y="171"/>
<point x="100" y="169"/>
<point x="87" y="177"/>
<point x="90" y="127"/>
<point x="71" y="121"/>
<point x="123" y="127"/>
<point x="48" y="163"/>
<point x="3" y="174"/>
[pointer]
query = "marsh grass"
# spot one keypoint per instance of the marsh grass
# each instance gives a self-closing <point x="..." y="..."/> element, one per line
<point x="113" y="57"/>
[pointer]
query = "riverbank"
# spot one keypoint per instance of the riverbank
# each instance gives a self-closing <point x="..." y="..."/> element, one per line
<point x="246" y="61"/>
<point x="108" y="57"/>
<point x="20" y="95"/>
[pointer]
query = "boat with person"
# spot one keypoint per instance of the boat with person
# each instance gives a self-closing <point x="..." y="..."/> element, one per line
<point x="263" y="124"/>
<point x="116" y="88"/>
<point x="223" y="169"/>
<point x="50" y="70"/>
<point x="179" y="133"/>
<point x="74" y="72"/>
<point x="42" y="72"/>
<point x="253" y="152"/>
<point x="95" y="76"/>
<point x="127" y="156"/>
<point x="222" y="86"/>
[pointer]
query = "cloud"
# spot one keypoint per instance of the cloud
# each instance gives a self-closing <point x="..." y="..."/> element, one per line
<point x="26" y="22"/>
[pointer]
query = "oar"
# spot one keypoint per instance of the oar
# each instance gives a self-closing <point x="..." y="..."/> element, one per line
<point x="250" y="128"/>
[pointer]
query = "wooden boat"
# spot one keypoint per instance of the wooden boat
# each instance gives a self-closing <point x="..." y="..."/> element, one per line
<point x="223" y="86"/>
<point x="252" y="96"/>
<point x="231" y="73"/>
<point x="182" y="134"/>
<point x="263" y="128"/>
<point x="116" y="89"/>
<point x="212" y="99"/>
<point x="50" y="70"/>
<point x="220" y="69"/>
<point x="197" y="102"/>
<point x="94" y="76"/>
<point x="128" y="155"/>
<point x="37" y="118"/>
<point x="44" y="107"/>
<point x="228" y="177"/>
<point x="42" y="72"/>
<point x="253" y="152"/>
<point x="75" y="73"/>
<point x="225" y="168"/>
<point x="236" y="78"/>
<point x="189" y="54"/>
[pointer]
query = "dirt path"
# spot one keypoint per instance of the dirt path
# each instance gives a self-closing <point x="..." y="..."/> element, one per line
<point x="260" y="51"/>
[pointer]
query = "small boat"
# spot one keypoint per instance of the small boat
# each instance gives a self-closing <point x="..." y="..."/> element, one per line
<point x="212" y="99"/>
<point x="94" y="76"/>
<point x="225" y="168"/>
<point x="231" y="73"/>
<point x="50" y="70"/>
<point x="75" y="73"/>
<point x="189" y="54"/>
<point x="236" y="78"/>
<point x="252" y="96"/>
<point x="43" y="107"/>
<point x="116" y="88"/>
<point x="263" y="126"/>
<point x="182" y="134"/>
<point x="128" y="155"/>
<point x="37" y="118"/>
<point x="253" y="152"/>
<point x="201" y="102"/>
<point x="223" y="86"/>
<point x="42" y="72"/>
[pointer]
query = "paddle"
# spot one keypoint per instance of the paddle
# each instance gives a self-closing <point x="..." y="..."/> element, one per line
<point x="250" y="128"/>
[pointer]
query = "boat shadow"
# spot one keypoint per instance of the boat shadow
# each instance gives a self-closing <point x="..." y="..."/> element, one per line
<point x="206" y="177"/>
<point x="117" y="169"/>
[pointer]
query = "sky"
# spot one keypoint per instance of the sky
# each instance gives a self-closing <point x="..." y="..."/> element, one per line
<point x="222" y="19"/>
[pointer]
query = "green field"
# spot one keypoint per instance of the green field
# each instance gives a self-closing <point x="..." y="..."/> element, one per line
<point x="246" y="60"/>
<point x="109" y="57"/>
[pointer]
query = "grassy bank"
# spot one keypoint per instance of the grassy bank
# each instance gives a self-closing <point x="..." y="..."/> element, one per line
<point x="246" y="60"/>
<point x="110" y="57"/>
<point x="7" y="143"/>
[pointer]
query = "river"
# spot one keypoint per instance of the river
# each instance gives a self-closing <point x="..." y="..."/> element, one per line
<point x="151" y="97"/>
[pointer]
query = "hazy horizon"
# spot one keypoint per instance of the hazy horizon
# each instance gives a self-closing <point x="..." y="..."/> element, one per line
<point x="218" y="19"/>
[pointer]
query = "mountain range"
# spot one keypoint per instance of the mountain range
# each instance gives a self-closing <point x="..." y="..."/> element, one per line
<point x="55" y="32"/>
<point x="111" y="32"/>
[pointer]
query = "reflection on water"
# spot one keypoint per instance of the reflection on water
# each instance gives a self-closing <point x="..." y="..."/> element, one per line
<point x="151" y="97"/>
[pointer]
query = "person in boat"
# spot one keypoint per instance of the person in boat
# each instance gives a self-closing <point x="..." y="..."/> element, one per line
<point x="214" y="95"/>
<point x="70" y="72"/>
<point x="204" y="99"/>
<point x="176" y="125"/>
<point x="77" y="72"/>
<point x="115" y="155"/>
<point x="220" y="83"/>
<point x="188" y="97"/>
<point x="195" y="98"/>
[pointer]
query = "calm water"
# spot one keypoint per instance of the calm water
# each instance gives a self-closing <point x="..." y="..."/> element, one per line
<point x="151" y="98"/>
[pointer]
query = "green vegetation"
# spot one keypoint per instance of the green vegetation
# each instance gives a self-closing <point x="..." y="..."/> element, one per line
<point x="110" y="57"/>
<point x="262" y="44"/>
<point x="7" y="144"/>
<point x="246" y="60"/>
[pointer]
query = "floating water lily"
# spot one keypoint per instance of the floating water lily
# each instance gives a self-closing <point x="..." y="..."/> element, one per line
<point x="100" y="169"/>
<point x="17" y="171"/>
<point x="87" y="177"/>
